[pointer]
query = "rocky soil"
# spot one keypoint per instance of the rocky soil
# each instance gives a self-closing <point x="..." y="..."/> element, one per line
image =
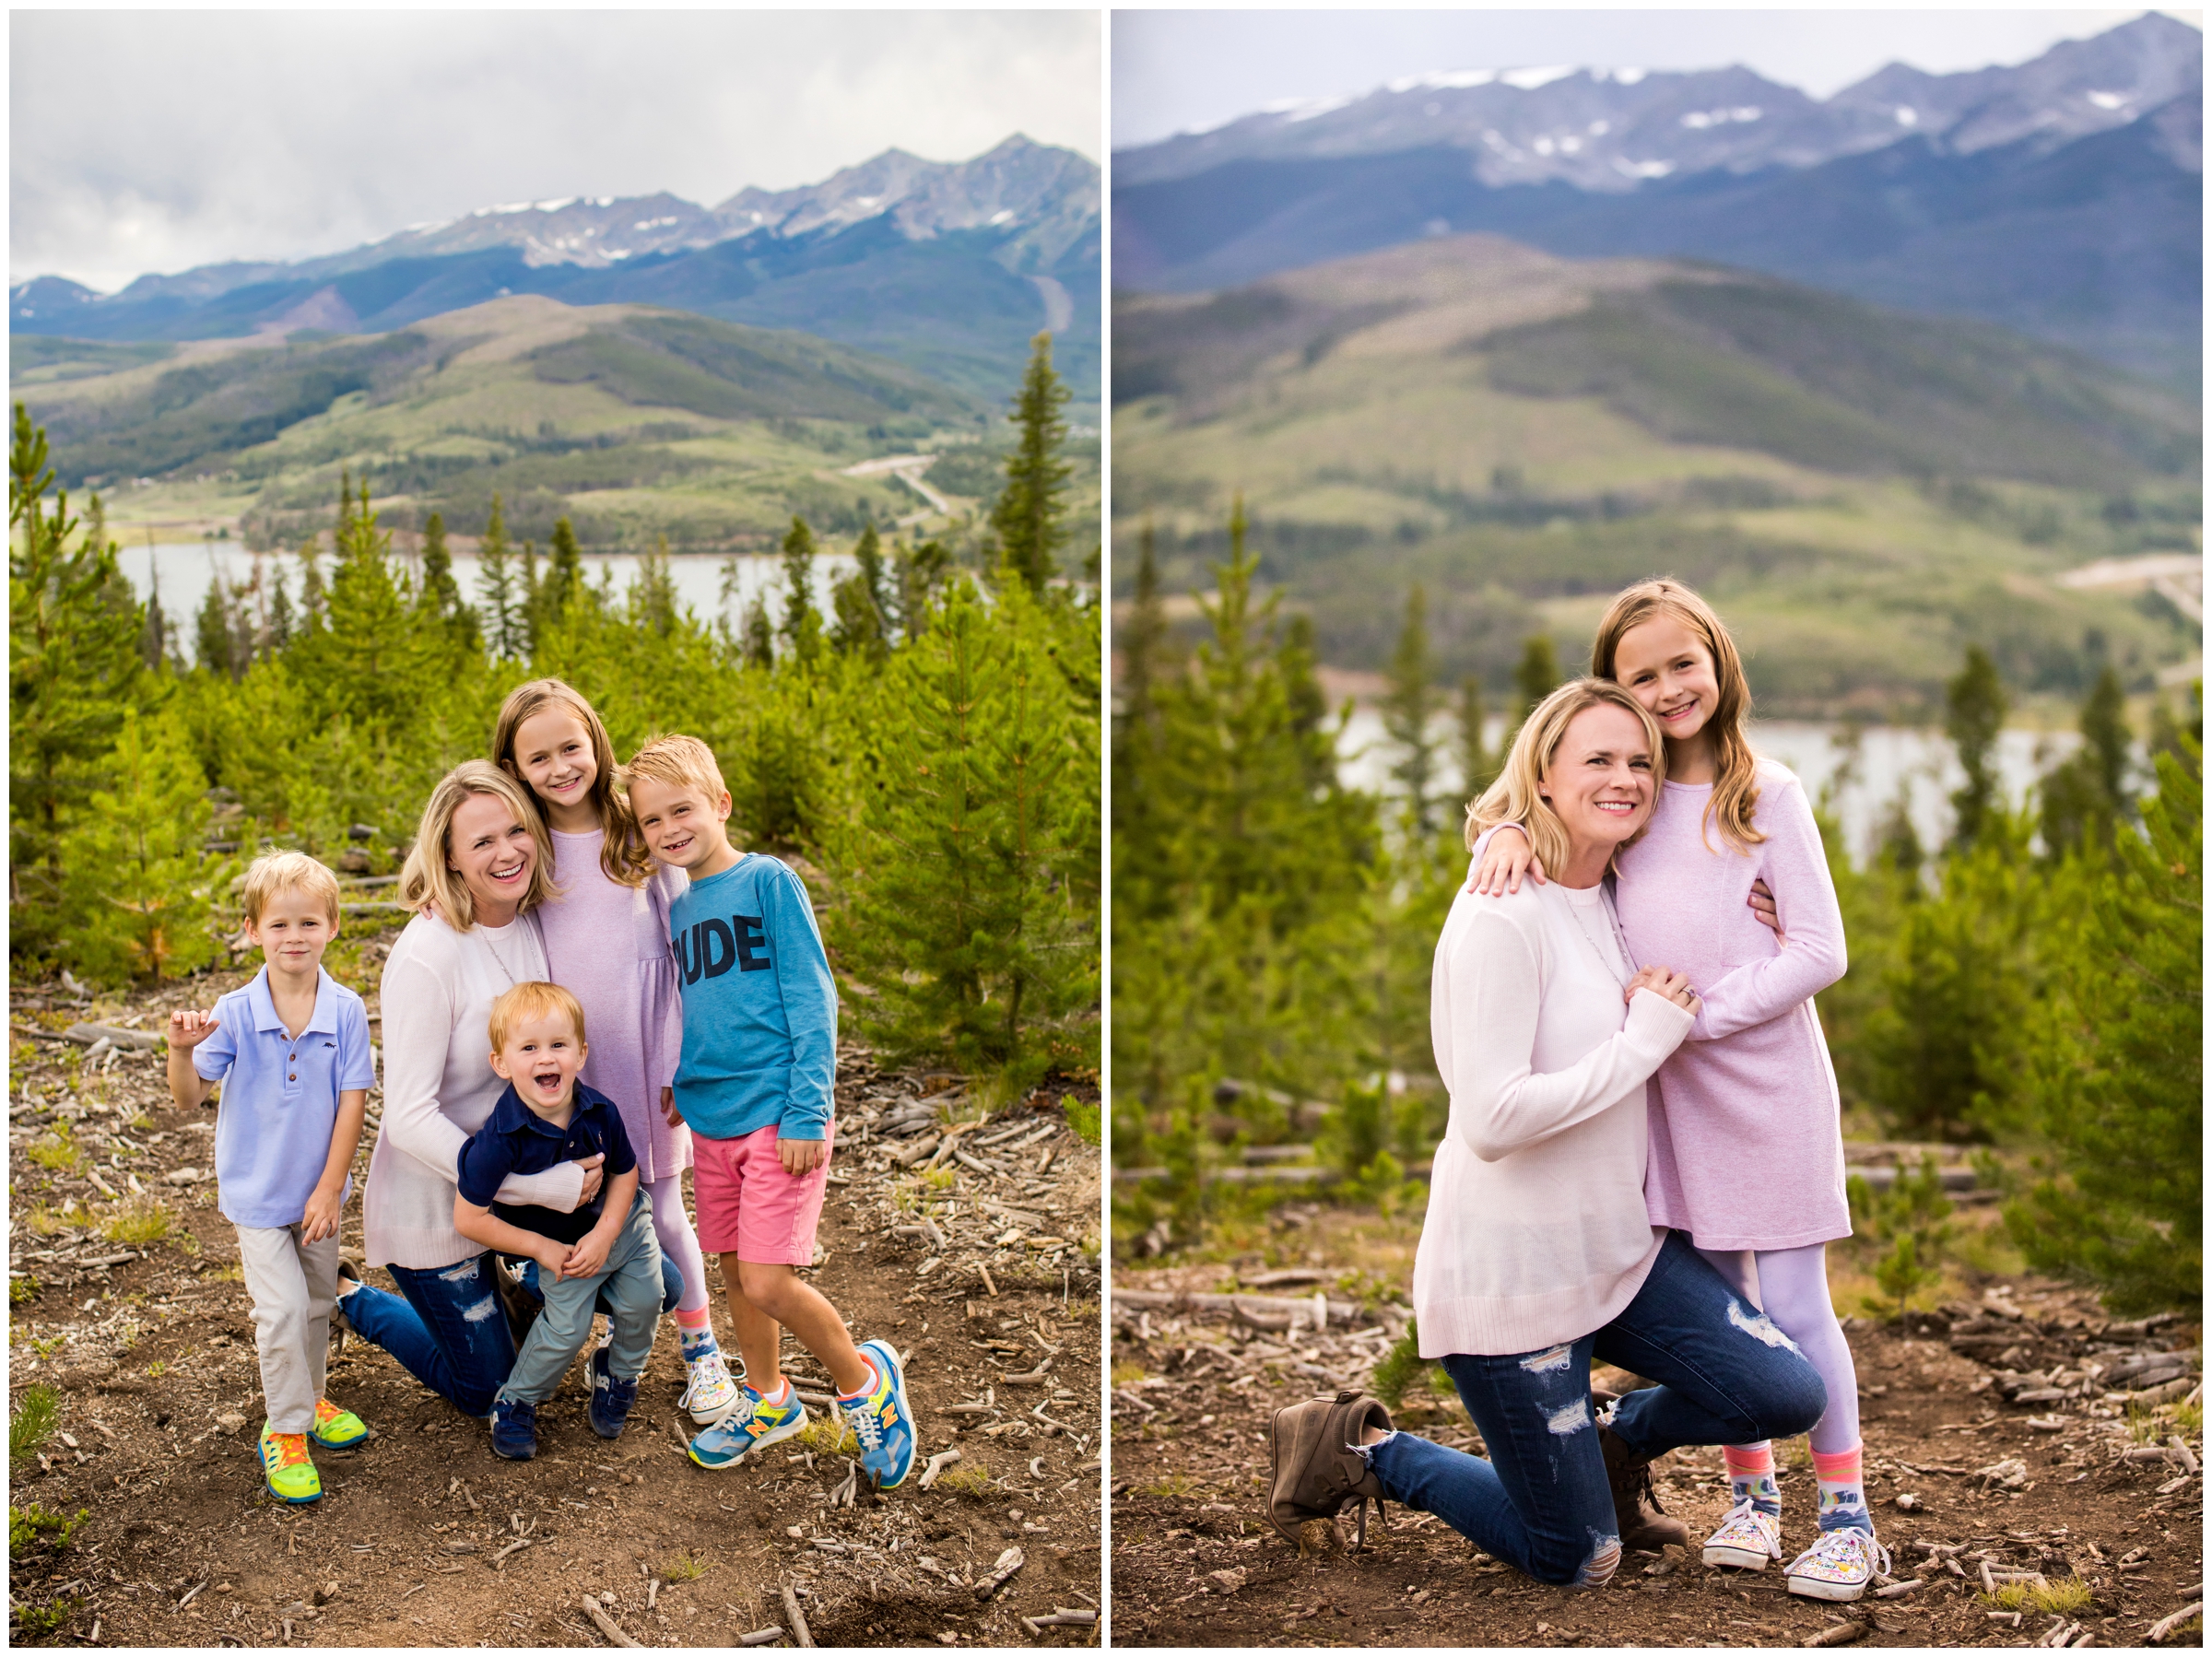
<point x="976" y="1257"/>
<point x="2026" y="1436"/>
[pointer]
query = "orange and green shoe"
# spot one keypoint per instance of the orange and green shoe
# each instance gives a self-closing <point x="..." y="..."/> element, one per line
<point x="286" y="1469"/>
<point x="336" y="1428"/>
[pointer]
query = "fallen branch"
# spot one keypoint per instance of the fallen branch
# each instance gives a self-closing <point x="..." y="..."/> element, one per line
<point x="2167" y="1625"/>
<point x="936" y="1464"/>
<point x="1835" y="1634"/>
<point x="760" y="1637"/>
<point x="800" y="1632"/>
<point x="608" y="1625"/>
<point x="1061" y="1618"/>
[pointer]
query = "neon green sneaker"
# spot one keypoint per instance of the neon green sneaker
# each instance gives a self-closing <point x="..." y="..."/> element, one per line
<point x="336" y="1428"/>
<point x="286" y="1469"/>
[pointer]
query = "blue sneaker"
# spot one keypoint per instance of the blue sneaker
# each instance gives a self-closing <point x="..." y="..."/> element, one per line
<point x="611" y="1397"/>
<point x="755" y="1422"/>
<point x="881" y="1421"/>
<point x="514" y="1429"/>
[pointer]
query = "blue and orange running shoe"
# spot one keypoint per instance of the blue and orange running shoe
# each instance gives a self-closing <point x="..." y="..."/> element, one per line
<point x="754" y="1423"/>
<point x="880" y="1419"/>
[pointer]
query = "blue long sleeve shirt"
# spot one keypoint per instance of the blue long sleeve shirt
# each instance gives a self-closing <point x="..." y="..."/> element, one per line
<point x="760" y="1005"/>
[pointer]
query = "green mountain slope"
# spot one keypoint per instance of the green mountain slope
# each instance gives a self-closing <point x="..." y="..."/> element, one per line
<point x="1862" y="491"/>
<point x="627" y="420"/>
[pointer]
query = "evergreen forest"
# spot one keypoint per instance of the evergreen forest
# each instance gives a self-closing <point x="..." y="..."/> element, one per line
<point x="2027" y="993"/>
<point x="925" y="750"/>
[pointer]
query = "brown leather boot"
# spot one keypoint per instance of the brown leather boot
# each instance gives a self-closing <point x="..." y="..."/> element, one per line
<point x="1642" y="1522"/>
<point x="1316" y="1474"/>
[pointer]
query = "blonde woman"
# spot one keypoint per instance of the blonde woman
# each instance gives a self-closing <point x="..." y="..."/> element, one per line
<point x="481" y="859"/>
<point x="1538" y="1253"/>
<point x="1746" y="1130"/>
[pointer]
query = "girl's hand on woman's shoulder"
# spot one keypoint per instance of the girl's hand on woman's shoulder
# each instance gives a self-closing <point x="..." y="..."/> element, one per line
<point x="1503" y="862"/>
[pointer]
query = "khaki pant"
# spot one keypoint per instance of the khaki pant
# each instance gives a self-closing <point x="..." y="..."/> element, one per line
<point x="294" y="1284"/>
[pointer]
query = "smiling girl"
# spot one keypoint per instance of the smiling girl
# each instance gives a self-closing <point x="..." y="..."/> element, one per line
<point x="1746" y="1152"/>
<point x="605" y="929"/>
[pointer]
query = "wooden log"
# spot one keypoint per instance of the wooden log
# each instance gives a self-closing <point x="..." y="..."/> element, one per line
<point x="1001" y="1574"/>
<point x="2167" y="1625"/>
<point x="936" y="1464"/>
<point x="760" y="1637"/>
<point x="1835" y="1634"/>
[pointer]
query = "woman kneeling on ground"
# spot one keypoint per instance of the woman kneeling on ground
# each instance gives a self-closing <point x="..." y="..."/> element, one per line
<point x="1537" y="1253"/>
<point x="481" y="864"/>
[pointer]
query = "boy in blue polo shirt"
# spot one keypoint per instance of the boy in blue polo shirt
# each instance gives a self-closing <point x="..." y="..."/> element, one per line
<point x="547" y="1117"/>
<point x="291" y="1050"/>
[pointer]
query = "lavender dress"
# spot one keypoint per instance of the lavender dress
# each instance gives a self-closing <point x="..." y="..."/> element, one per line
<point x="607" y="944"/>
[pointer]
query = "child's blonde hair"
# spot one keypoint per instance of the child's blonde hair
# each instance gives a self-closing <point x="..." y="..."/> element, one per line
<point x="1517" y="796"/>
<point x="1735" y="797"/>
<point x="622" y="849"/>
<point x="274" y="872"/>
<point x="535" y="999"/>
<point x="428" y="878"/>
<point x="678" y="760"/>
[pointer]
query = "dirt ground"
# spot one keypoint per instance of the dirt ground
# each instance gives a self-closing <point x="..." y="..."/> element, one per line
<point x="1195" y="1561"/>
<point x="150" y="1345"/>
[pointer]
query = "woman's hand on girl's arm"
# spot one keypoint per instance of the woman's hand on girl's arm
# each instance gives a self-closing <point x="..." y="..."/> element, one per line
<point x="1666" y="982"/>
<point x="1503" y="860"/>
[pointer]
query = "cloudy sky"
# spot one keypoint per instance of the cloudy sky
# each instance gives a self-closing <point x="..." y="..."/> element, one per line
<point x="156" y="141"/>
<point x="1178" y="71"/>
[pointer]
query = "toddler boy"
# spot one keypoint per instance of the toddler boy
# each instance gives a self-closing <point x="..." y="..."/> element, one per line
<point x="760" y="1057"/>
<point x="547" y="1117"/>
<point x="291" y="1050"/>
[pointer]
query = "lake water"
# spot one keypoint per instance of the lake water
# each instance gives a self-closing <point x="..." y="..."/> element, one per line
<point x="186" y="568"/>
<point x="1890" y="757"/>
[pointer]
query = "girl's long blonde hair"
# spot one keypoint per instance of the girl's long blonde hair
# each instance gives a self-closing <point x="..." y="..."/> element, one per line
<point x="1734" y="798"/>
<point x="622" y="852"/>
<point x="426" y="877"/>
<point x="1517" y="796"/>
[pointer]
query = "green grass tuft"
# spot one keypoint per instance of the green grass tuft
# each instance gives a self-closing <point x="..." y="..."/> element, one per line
<point x="31" y="1423"/>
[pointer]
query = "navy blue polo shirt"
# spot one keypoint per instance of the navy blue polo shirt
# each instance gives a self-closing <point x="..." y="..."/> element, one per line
<point x="516" y="1140"/>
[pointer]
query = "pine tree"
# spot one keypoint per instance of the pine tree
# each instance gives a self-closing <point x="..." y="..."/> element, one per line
<point x="1408" y="709"/>
<point x="652" y="601"/>
<point x="918" y="570"/>
<point x="973" y="950"/>
<point x="858" y="628"/>
<point x="564" y="578"/>
<point x="75" y="667"/>
<point x="868" y="553"/>
<point x="1537" y="678"/>
<point x="2117" y="1066"/>
<point x="314" y="596"/>
<point x="216" y="637"/>
<point x="757" y="640"/>
<point x="802" y="622"/>
<point x="2085" y="795"/>
<point x="1477" y="767"/>
<point x="495" y="589"/>
<point x="155" y="637"/>
<point x="1029" y="516"/>
<point x="1973" y="716"/>
<point x="280" y="616"/>
<point x="439" y="609"/>
<point x="368" y="664"/>
<point x="136" y="861"/>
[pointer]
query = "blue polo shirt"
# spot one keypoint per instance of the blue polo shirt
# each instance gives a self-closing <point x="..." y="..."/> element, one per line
<point x="516" y="1140"/>
<point x="280" y="1096"/>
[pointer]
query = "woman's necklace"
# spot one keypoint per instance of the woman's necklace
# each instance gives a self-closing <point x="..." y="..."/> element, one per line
<point x="513" y="982"/>
<point x="1620" y="943"/>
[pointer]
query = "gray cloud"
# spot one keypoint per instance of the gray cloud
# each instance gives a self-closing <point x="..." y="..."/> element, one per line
<point x="1176" y="71"/>
<point x="156" y="141"/>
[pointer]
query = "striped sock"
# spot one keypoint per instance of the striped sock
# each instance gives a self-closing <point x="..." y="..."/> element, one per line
<point x="695" y="1334"/>
<point x="1842" y="1491"/>
<point x="1751" y="1476"/>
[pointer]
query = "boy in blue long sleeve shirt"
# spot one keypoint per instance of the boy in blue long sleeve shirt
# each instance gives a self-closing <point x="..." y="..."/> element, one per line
<point x="759" y="1061"/>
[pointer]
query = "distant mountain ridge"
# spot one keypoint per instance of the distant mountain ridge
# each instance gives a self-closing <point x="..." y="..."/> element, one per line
<point x="976" y="255"/>
<point x="2062" y="198"/>
<point x="1611" y="129"/>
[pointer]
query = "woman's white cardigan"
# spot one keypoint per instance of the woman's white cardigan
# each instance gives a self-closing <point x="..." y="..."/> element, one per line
<point x="1537" y="1232"/>
<point x="438" y="985"/>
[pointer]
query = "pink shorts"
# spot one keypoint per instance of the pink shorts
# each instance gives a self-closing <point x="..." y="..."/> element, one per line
<point x="749" y="1206"/>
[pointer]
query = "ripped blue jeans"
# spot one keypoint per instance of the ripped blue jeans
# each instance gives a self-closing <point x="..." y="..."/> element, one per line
<point x="1541" y="1503"/>
<point x="448" y="1331"/>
